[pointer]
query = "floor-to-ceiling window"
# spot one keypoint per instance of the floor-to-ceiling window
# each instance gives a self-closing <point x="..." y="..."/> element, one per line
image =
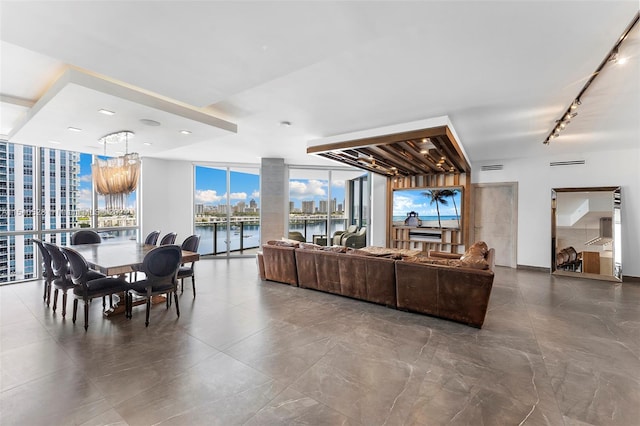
<point x="320" y="202"/>
<point x="227" y="209"/>
<point x="359" y="194"/>
<point x="48" y="193"/>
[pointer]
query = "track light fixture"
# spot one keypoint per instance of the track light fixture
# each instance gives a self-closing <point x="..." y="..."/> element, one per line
<point x="612" y="57"/>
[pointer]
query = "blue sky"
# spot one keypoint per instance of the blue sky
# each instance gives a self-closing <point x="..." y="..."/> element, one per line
<point x="211" y="188"/>
<point x="408" y="200"/>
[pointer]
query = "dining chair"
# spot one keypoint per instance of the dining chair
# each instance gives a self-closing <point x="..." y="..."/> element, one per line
<point x="152" y="238"/>
<point x="47" y="272"/>
<point x="168" y="239"/>
<point x="160" y="266"/>
<point x="85" y="236"/>
<point x="61" y="282"/>
<point x="191" y="243"/>
<point x="87" y="285"/>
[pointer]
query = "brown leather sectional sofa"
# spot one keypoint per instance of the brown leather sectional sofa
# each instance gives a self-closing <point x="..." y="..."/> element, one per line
<point x="456" y="293"/>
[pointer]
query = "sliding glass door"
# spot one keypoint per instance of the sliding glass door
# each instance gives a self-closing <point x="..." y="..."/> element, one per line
<point x="227" y="209"/>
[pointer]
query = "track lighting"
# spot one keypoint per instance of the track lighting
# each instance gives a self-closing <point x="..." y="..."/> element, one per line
<point x="612" y="57"/>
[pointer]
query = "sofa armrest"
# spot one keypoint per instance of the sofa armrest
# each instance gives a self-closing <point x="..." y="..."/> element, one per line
<point x="444" y="255"/>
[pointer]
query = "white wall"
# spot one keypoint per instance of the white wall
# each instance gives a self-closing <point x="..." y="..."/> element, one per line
<point x="166" y="202"/>
<point x="536" y="179"/>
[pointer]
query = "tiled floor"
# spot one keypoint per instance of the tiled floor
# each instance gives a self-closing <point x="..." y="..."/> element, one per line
<point x="553" y="351"/>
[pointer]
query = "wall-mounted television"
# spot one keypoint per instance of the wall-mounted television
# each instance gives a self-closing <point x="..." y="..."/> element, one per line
<point x="435" y="207"/>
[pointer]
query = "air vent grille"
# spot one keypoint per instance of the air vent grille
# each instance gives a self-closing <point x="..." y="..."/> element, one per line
<point x="566" y="163"/>
<point x="491" y="167"/>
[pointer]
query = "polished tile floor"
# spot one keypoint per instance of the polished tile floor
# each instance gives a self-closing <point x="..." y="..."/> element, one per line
<point x="553" y="351"/>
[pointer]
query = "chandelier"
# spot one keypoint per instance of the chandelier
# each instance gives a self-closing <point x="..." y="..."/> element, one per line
<point x="118" y="176"/>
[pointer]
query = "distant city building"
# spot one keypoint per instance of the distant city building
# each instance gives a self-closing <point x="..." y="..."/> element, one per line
<point x="199" y="208"/>
<point x="323" y="206"/>
<point x="240" y="207"/>
<point x="18" y="209"/>
<point x="292" y="206"/>
<point x="308" y="206"/>
<point x="253" y="204"/>
<point x="333" y="205"/>
<point x="339" y="209"/>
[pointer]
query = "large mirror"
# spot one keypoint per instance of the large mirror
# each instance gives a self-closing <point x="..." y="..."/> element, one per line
<point x="585" y="233"/>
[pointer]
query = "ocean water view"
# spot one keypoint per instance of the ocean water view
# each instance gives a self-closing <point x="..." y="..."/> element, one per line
<point x="447" y="221"/>
<point x="249" y="236"/>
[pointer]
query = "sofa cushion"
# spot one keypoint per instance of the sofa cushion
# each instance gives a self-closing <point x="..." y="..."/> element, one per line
<point x="476" y="256"/>
<point x="335" y="249"/>
<point x="310" y="246"/>
<point x="359" y="252"/>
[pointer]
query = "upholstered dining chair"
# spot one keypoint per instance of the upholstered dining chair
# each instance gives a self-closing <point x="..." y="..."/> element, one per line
<point x="61" y="282"/>
<point x="191" y="243"/>
<point x="47" y="272"/>
<point x="88" y="285"/>
<point x="160" y="266"/>
<point x="85" y="236"/>
<point x="152" y="238"/>
<point x="168" y="239"/>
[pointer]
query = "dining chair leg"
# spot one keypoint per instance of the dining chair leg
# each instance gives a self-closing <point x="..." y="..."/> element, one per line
<point x="75" y="310"/>
<point x="86" y="315"/>
<point x="193" y="282"/>
<point x="146" y="323"/>
<point x="49" y="294"/>
<point x="64" y="304"/>
<point x="55" y="300"/>
<point x="175" y="295"/>
<point x="182" y="285"/>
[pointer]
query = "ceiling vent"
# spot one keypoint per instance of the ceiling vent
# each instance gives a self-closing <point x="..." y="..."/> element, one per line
<point x="566" y="163"/>
<point x="491" y="167"/>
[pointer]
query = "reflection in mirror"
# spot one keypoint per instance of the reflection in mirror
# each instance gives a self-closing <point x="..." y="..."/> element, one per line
<point x="586" y="232"/>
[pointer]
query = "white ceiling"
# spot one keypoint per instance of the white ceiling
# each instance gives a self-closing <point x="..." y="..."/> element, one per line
<point x="503" y="72"/>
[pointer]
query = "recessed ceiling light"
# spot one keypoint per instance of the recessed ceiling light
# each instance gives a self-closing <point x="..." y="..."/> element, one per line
<point x="149" y="122"/>
<point x="285" y="123"/>
<point x="106" y="111"/>
<point x="147" y="143"/>
<point x="74" y="129"/>
<point x="185" y="132"/>
<point x="423" y="151"/>
<point x="55" y="142"/>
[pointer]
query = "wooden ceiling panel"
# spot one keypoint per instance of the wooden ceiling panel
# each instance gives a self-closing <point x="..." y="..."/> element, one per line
<point x="417" y="152"/>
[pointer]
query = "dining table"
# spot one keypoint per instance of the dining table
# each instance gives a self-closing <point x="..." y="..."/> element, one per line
<point x="121" y="258"/>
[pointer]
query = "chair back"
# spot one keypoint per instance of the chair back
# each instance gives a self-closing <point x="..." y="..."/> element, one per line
<point x="351" y="229"/>
<point x="78" y="266"/>
<point x="46" y="257"/>
<point x="362" y="231"/>
<point x="161" y="264"/>
<point x="168" y="239"/>
<point x="152" y="238"/>
<point x="191" y="243"/>
<point x="59" y="263"/>
<point x="85" y="236"/>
